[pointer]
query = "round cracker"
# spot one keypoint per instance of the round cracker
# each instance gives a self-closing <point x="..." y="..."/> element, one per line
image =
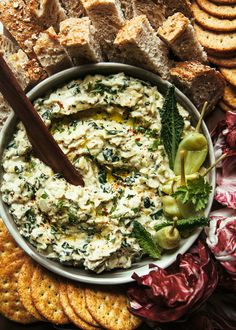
<point x="224" y="62"/>
<point x="225" y="107"/>
<point x="110" y="309"/>
<point x="221" y="11"/>
<point x="210" y="22"/>
<point x="224" y="2"/>
<point x="45" y="295"/>
<point x="229" y="75"/>
<point x="76" y="295"/>
<point x="220" y="54"/>
<point x="229" y="96"/>
<point x="24" y="290"/>
<point x="73" y="317"/>
<point x="216" y="42"/>
<point x="10" y="304"/>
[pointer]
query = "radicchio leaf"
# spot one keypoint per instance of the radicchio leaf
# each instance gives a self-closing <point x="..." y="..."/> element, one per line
<point x="166" y="295"/>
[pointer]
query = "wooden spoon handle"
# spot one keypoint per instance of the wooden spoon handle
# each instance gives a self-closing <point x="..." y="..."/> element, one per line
<point x="41" y="139"/>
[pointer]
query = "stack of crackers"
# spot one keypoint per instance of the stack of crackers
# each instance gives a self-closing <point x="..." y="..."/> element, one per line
<point x="29" y="293"/>
<point x="216" y="30"/>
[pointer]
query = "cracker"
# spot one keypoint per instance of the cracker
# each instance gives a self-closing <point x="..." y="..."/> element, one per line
<point x="110" y="308"/>
<point x="10" y="304"/>
<point x="229" y="75"/>
<point x="224" y="62"/>
<point x="229" y="97"/>
<point x="219" y="42"/>
<point x="225" y="107"/>
<point x="224" y="2"/>
<point x="45" y="296"/>
<point x="221" y="55"/>
<point x="210" y="22"/>
<point x="73" y="317"/>
<point x="221" y="11"/>
<point x="76" y="295"/>
<point x="24" y="291"/>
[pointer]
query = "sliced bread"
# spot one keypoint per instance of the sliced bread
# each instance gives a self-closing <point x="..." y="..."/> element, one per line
<point x="51" y="55"/>
<point x="199" y="82"/>
<point x="154" y="11"/>
<point x="47" y="12"/>
<point x="17" y="19"/>
<point x="178" y="33"/>
<point x="73" y="8"/>
<point x="127" y="8"/>
<point x="175" y="6"/>
<point x="77" y="36"/>
<point x="138" y="44"/>
<point x="107" y="17"/>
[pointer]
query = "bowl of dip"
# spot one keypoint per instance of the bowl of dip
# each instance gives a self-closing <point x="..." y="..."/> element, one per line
<point x="105" y="117"/>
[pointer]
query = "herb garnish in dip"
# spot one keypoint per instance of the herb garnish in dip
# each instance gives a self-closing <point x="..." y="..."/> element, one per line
<point x="110" y="129"/>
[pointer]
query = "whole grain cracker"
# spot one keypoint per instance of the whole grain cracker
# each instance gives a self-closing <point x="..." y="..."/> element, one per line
<point x="220" y="54"/>
<point x="209" y="22"/>
<point x="216" y="42"/>
<point x="224" y="62"/>
<point x="24" y="283"/>
<point x="221" y="11"/>
<point x="73" y="317"/>
<point x="10" y="304"/>
<point x="76" y="295"/>
<point x="225" y="107"/>
<point x="224" y="2"/>
<point x="110" y="308"/>
<point x="229" y="96"/>
<point x="45" y="295"/>
<point x="229" y="75"/>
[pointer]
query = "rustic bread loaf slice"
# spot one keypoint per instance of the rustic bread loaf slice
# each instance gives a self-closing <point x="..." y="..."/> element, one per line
<point x="47" y="12"/>
<point x="107" y="17"/>
<point x="51" y="55"/>
<point x="175" y="6"/>
<point x="17" y="19"/>
<point x="7" y="47"/>
<point x="178" y="33"/>
<point x="127" y="8"/>
<point x="154" y="11"/>
<point x="199" y="82"/>
<point x="138" y="44"/>
<point x="77" y="36"/>
<point x="73" y="8"/>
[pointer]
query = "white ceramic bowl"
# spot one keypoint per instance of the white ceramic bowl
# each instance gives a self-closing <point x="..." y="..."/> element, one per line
<point x="121" y="275"/>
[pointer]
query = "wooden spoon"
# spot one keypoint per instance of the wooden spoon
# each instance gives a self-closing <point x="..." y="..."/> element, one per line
<point x="41" y="139"/>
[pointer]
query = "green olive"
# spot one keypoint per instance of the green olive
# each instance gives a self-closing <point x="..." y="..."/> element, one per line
<point x="168" y="238"/>
<point x="170" y="207"/>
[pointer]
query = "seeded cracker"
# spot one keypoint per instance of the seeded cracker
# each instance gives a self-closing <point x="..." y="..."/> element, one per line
<point x="229" y="97"/>
<point x="229" y="75"/>
<point x="110" y="309"/>
<point x="24" y="291"/>
<point x="210" y="22"/>
<point x="224" y="62"/>
<point x="224" y="2"/>
<point x="220" y="11"/>
<point x="10" y="304"/>
<point x="76" y="295"/>
<point x="73" y="317"/>
<point x="45" y="295"/>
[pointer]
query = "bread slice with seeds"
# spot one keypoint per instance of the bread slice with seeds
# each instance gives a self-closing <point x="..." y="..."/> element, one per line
<point x="154" y="11"/>
<point x="178" y="33"/>
<point x="47" y="12"/>
<point x="199" y="82"/>
<point x="73" y="8"/>
<point x="77" y="36"/>
<point x="138" y="44"/>
<point x="17" y="19"/>
<point x="51" y="55"/>
<point x="107" y="17"/>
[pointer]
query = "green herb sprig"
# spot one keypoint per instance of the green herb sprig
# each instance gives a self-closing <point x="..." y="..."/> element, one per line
<point x="172" y="125"/>
<point x="185" y="224"/>
<point x="145" y="241"/>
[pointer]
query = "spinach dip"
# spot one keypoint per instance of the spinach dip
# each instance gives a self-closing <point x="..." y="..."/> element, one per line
<point x="109" y="128"/>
